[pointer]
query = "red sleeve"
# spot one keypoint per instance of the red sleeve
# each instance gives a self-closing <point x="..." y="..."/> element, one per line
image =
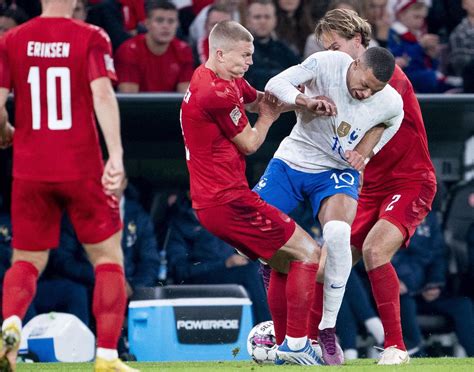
<point x="248" y="92"/>
<point x="140" y="11"/>
<point x="187" y="65"/>
<point x="126" y="59"/>
<point x="5" y="77"/>
<point x="100" y="61"/>
<point x="223" y="106"/>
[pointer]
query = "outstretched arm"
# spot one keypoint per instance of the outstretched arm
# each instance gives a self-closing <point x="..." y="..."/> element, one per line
<point x="250" y="139"/>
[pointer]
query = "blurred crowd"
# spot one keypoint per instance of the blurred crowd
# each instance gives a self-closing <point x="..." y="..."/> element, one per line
<point x="159" y="43"/>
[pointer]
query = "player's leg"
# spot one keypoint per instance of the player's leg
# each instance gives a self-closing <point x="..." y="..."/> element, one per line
<point x="400" y="213"/>
<point x="278" y="186"/>
<point x="298" y="258"/>
<point x="36" y="217"/>
<point x="333" y="195"/>
<point x="96" y="220"/>
<point x="336" y="215"/>
<point x="258" y="229"/>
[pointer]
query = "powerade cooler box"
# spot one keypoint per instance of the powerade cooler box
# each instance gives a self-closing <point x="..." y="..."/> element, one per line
<point x="190" y="323"/>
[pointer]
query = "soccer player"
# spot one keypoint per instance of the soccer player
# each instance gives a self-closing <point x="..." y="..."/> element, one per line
<point x="60" y="70"/>
<point x="217" y="136"/>
<point x="319" y="159"/>
<point x="399" y="186"/>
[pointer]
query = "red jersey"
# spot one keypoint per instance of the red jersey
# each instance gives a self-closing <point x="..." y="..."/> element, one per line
<point x="49" y="63"/>
<point x="153" y="73"/>
<point x="405" y="158"/>
<point x="212" y="113"/>
<point x="133" y="12"/>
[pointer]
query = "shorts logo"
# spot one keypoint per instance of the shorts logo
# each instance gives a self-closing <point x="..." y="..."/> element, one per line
<point x="262" y="183"/>
<point x="235" y="115"/>
<point x="343" y="129"/>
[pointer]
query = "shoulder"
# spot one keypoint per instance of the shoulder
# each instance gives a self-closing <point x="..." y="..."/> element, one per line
<point x="181" y="49"/>
<point x="179" y="45"/>
<point x="400" y="82"/>
<point x="132" y="43"/>
<point x="392" y="101"/>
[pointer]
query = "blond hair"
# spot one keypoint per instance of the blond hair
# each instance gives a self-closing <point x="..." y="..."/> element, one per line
<point x="226" y="33"/>
<point x="346" y="23"/>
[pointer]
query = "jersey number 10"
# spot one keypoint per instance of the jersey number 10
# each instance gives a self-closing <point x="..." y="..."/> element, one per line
<point x="53" y="75"/>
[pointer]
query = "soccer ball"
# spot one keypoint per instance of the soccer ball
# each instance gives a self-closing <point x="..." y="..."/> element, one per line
<point x="261" y="343"/>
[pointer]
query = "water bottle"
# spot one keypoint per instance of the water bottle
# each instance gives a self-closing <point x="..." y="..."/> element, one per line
<point x="163" y="268"/>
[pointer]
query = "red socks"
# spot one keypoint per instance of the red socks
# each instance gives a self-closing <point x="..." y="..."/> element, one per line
<point x="316" y="312"/>
<point x="19" y="288"/>
<point x="277" y="304"/>
<point x="109" y="302"/>
<point x="386" y="291"/>
<point x="299" y="292"/>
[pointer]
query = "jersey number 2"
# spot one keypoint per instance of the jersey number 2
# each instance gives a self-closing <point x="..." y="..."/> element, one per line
<point x="395" y="198"/>
<point x="53" y="76"/>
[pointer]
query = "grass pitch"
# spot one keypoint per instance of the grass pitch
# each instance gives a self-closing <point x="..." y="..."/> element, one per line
<point x="361" y="365"/>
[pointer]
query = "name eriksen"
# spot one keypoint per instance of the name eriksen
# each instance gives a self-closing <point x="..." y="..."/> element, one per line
<point x="48" y="50"/>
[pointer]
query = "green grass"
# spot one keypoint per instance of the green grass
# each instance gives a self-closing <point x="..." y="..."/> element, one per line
<point x="362" y="365"/>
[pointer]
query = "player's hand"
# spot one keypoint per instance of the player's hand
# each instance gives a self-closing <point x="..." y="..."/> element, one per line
<point x="113" y="177"/>
<point x="128" y="289"/>
<point x="322" y="106"/>
<point x="270" y="107"/>
<point x="431" y="294"/>
<point x="356" y="160"/>
<point x="6" y="136"/>
<point x="236" y="260"/>
<point x="403" y="288"/>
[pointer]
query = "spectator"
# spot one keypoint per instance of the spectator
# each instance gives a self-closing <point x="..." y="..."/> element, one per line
<point x="416" y="52"/>
<point x="468" y="77"/>
<point x="11" y="18"/>
<point x="271" y="56"/>
<point x="109" y="14"/>
<point x="80" y="11"/>
<point x="421" y="270"/>
<point x="197" y="29"/>
<point x="380" y="20"/>
<point x="156" y="61"/>
<point x="215" y="14"/>
<point x="461" y="40"/>
<point x="133" y="12"/>
<point x="195" y="256"/>
<point x="294" y="23"/>
<point x="357" y="310"/>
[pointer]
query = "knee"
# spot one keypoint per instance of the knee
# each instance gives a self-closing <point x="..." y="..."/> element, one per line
<point x="337" y="236"/>
<point x="374" y="256"/>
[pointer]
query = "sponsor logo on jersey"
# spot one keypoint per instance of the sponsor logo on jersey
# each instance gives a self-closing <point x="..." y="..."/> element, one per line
<point x="208" y="324"/>
<point x="337" y="285"/>
<point x="235" y="115"/>
<point x="343" y="129"/>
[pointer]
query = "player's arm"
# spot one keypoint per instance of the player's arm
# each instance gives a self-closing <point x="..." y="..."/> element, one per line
<point x="6" y="129"/>
<point x="128" y="88"/>
<point x="285" y="86"/>
<point x="182" y="87"/>
<point x="107" y="111"/>
<point x="250" y="139"/>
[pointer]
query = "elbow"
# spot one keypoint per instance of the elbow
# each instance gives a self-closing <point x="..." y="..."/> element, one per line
<point x="249" y="149"/>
